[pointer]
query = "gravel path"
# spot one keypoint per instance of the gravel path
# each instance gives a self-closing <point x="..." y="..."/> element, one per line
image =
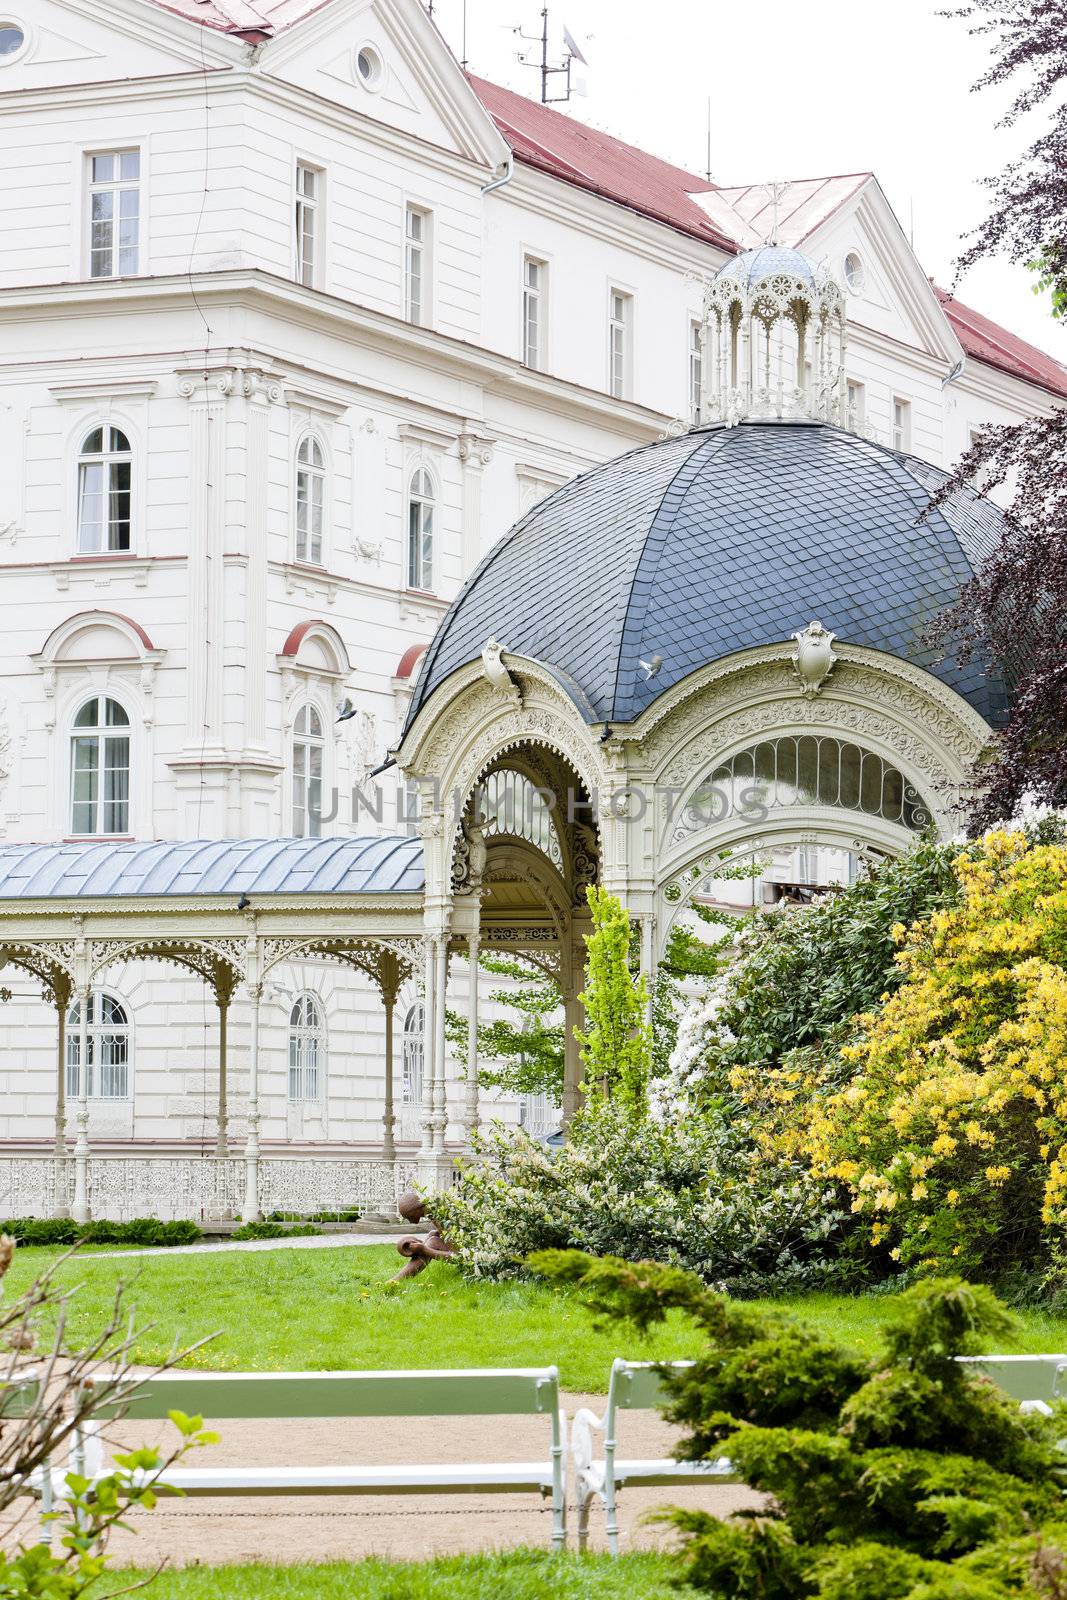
<point x="323" y="1241"/>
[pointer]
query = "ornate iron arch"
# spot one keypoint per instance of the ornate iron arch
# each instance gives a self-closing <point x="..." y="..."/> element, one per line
<point x="50" y="962"/>
<point x="218" y="962"/>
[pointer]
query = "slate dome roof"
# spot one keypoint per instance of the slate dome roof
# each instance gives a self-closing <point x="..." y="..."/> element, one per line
<point x="717" y="541"/>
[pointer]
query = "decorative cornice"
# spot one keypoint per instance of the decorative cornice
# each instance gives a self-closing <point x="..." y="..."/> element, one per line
<point x="329" y="406"/>
<point x="314" y="309"/>
<point x="104" y="389"/>
<point x="427" y="433"/>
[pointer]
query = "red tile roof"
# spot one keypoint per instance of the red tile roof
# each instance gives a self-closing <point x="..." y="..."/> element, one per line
<point x="600" y="163"/>
<point x="604" y="165"/>
<point x="988" y="342"/>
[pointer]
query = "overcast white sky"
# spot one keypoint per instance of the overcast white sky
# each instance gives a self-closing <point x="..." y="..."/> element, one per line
<point x="796" y="91"/>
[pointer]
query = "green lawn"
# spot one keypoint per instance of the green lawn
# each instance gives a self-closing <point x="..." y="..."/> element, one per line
<point x="305" y="1309"/>
<point x="286" y="1310"/>
<point x="517" y="1575"/>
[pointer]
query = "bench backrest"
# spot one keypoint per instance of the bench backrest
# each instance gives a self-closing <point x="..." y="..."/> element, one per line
<point x="1041" y="1377"/>
<point x="638" y="1385"/>
<point x="18" y="1394"/>
<point x="516" y="1391"/>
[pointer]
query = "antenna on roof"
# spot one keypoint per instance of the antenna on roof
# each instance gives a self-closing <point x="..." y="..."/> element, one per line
<point x="571" y="52"/>
<point x="707" y="169"/>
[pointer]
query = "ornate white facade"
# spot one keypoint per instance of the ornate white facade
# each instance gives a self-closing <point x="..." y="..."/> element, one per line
<point x="271" y="384"/>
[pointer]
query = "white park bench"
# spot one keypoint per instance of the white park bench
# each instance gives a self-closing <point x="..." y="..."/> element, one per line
<point x="515" y="1391"/>
<point x="633" y="1386"/>
<point x="1035" y="1381"/>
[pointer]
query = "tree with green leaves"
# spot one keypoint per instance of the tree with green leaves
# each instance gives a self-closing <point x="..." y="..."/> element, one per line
<point x="616" y="1044"/>
<point x="521" y="1051"/>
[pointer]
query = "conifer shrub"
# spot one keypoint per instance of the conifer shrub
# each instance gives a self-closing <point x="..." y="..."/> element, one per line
<point x="903" y="1478"/>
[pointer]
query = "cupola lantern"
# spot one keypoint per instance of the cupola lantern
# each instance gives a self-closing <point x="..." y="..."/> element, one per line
<point x="774" y="341"/>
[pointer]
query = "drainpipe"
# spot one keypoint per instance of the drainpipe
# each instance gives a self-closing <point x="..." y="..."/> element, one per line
<point x="504" y="177"/>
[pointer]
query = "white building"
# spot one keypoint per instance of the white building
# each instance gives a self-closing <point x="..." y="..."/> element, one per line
<point x="296" y="320"/>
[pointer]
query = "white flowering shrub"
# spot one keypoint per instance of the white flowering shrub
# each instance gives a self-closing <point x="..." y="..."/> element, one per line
<point x="688" y="1192"/>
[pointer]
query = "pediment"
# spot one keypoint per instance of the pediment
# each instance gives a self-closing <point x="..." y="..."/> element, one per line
<point x="88" y="41"/>
<point x="415" y="86"/>
<point x="896" y="298"/>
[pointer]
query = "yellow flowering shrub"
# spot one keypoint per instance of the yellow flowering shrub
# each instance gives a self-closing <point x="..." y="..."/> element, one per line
<point x="951" y="1136"/>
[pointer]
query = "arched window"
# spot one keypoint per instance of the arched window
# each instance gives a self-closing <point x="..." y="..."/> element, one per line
<point x="420" y="530"/>
<point x="107" y="1053"/>
<point x="805" y="770"/>
<point x="105" y="466"/>
<point x="307" y="1049"/>
<point x="308" y="746"/>
<point x="510" y="803"/>
<point x="310" y="500"/>
<point x="411" y="1069"/>
<point x="100" y="768"/>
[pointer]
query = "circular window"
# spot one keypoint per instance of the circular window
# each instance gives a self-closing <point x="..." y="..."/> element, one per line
<point x="12" y="39"/>
<point x="855" y="273"/>
<point x="369" y="66"/>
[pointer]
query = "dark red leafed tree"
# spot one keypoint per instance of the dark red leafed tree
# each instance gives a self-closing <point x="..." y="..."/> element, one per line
<point x="1015" y="609"/>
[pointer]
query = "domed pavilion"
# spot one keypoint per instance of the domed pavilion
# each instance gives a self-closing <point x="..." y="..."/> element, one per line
<point x="712" y="648"/>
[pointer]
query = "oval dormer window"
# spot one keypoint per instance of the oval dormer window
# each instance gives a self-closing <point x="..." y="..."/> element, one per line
<point x="855" y="272"/>
<point x="12" y="39"/>
<point x="369" y="66"/>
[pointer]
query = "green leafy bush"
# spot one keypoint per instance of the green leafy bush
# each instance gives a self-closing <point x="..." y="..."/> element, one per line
<point x="147" y="1231"/>
<point x="906" y="1478"/>
<point x="689" y="1192"/>
<point x="274" y="1230"/>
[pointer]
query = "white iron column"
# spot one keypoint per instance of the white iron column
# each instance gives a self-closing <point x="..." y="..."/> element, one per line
<point x="222" y="1123"/>
<point x="648" y="962"/>
<point x="426" y="1109"/>
<point x="250" y="1210"/>
<point x="388" y="1111"/>
<point x="80" y="1208"/>
<point x="470" y="1109"/>
<point x="62" y="998"/>
<point x="573" y="1017"/>
<point x="440" y="1109"/>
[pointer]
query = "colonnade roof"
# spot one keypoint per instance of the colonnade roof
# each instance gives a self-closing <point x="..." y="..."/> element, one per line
<point x="373" y="865"/>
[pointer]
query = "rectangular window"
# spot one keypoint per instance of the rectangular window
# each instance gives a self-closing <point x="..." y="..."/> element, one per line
<point x="857" y="402"/>
<point x="303" y="1068"/>
<point x="114" y="213"/>
<point x="308" y="184"/>
<point x="420" y="544"/>
<point x="901" y="424"/>
<point x="534" y="274"/>
<point x="417" y="266"/>
<point x="307" y="789"/>
<point x="85" y="780"/>
<point x="696" y="370"/>
<point x="620" y="318"/>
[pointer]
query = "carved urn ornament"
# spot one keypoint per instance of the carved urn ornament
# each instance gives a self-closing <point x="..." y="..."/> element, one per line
<point x="813" y="659"/>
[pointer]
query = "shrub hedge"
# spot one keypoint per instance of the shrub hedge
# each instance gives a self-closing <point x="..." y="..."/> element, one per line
<point x="63" y="1230"/>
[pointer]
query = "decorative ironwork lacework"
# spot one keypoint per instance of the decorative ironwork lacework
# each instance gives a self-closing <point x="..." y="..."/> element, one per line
<point x="511" y="804"/>
<point x="203" y="1188"/>
<point x="804" y="770"/>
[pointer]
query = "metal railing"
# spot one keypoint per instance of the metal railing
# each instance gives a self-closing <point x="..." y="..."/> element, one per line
<point x="205" y="1188"/>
